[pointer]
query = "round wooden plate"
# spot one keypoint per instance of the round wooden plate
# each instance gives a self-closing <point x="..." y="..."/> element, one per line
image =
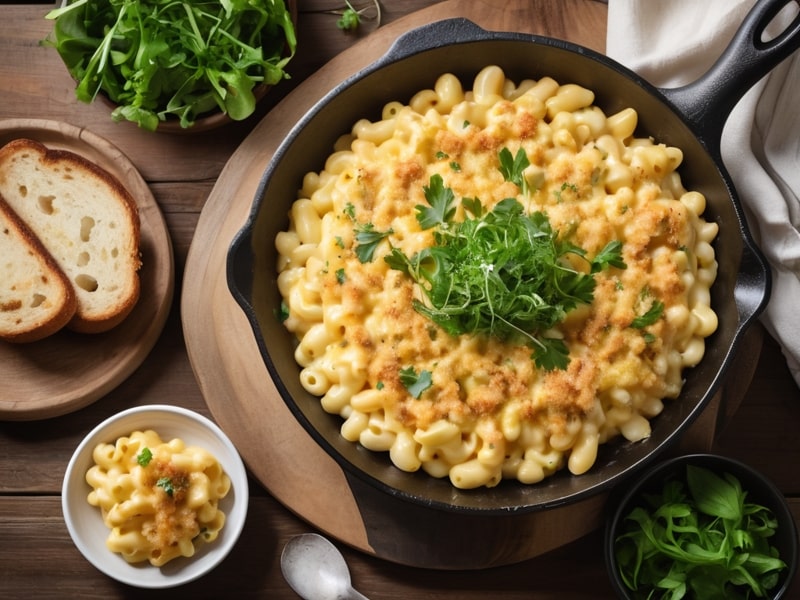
<point x="68" y="371"/>
<point x="245" y="402"/>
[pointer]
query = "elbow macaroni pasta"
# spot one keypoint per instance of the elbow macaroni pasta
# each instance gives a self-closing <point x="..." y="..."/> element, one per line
<point x="489" y="414"/>
<point x="158" y="508"/>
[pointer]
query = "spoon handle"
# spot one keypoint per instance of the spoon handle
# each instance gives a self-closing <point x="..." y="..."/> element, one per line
<point x="356" y="595"/>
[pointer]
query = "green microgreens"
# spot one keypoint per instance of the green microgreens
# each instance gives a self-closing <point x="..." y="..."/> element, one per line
<point x="698" y="537"/>
<point x="414" y="382"/>
<point x="156" y="58"/>
<point x="501" y="272"/>
<point x="144" y="457"/>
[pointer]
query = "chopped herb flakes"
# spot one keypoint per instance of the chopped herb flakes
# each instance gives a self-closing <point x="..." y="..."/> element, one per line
<point x="144" y="457"/>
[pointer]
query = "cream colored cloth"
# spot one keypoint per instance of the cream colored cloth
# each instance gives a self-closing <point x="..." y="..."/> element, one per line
<point x="673" y="42"/>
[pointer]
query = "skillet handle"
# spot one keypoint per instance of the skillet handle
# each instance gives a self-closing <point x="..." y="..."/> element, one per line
<point x="239" y="270"/>
<point x="753" y="286"/>
<point x="433" y="35"/>
<point x="707" y="102"/>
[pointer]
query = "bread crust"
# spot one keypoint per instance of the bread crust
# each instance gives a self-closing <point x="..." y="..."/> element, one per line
<point x="17" y="157"/>
<point x="34" y="326"/>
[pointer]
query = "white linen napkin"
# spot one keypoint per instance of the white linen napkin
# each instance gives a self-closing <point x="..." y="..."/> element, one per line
<point x="673" y="42"/>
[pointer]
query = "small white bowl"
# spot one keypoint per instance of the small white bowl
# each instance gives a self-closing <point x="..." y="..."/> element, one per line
<point x="85" y="523"/>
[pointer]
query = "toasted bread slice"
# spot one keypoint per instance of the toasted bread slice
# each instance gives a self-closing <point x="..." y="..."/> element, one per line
<point x="36" y="298"/>
<point x="87" y="221"/>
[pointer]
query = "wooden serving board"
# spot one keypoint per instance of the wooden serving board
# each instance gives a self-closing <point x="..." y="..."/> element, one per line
<point x="244" y="400"/>
<point x="67" y="371"/>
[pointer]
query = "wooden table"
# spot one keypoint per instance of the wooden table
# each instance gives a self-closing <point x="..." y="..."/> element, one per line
<point x="37" y="557"/>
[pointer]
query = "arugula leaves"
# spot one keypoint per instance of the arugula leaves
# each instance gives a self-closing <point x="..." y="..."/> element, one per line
<point x="501" y="272"/>
<point x="156" y="58"/>
<point x="699" y="536"/>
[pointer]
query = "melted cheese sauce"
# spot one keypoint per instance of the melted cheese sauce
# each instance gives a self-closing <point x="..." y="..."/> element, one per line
<point x="593" y="186"/>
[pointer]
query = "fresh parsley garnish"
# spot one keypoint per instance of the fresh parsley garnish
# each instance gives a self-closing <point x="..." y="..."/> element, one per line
<point x="368" y="238"/>
<point x="698" y="536"/>
<point x="651" y="316"/>
<point x="144" y="456"/>
<point x="513" y="167"/>
<point x="441" y="204"/>
<point x="282" y="312"/>
<point x="351" y="17"/>
<point x="414" y="382"/>
<point x="165" y="483"/>
<point x="501" y="272"/>
<point x="340" y="276"/>
<point x="609" y="256"/>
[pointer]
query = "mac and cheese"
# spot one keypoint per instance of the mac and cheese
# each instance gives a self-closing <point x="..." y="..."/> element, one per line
<point x="487" y="412"/>
<point x="159" y="499"/>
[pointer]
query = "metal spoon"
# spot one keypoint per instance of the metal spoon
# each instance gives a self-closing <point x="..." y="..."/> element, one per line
<point x="316" y="570"/>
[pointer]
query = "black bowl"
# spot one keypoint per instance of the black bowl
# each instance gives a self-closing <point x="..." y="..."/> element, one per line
<point x="759" y="489"/>
<point x="412" y="64"/>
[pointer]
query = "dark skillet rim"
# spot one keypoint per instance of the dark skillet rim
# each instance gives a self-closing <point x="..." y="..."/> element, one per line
<point x="242" y="238"/>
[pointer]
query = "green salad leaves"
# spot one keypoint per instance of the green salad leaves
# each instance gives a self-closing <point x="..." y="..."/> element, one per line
<point x="160" y="58"/>
<point x="699" y="537"/>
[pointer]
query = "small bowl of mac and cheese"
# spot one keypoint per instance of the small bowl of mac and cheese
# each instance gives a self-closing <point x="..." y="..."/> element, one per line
<point x="155" y="496"/>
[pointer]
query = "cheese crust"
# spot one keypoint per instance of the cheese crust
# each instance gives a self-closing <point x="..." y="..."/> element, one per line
<point x="489" y="412"/>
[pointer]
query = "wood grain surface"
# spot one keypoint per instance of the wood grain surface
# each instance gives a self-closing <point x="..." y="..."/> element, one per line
<point x="37" y="557"/>
<point x="67" y="371"/>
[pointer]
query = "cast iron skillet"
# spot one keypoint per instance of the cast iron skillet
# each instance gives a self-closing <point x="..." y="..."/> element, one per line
<point x="690" y="118"/>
